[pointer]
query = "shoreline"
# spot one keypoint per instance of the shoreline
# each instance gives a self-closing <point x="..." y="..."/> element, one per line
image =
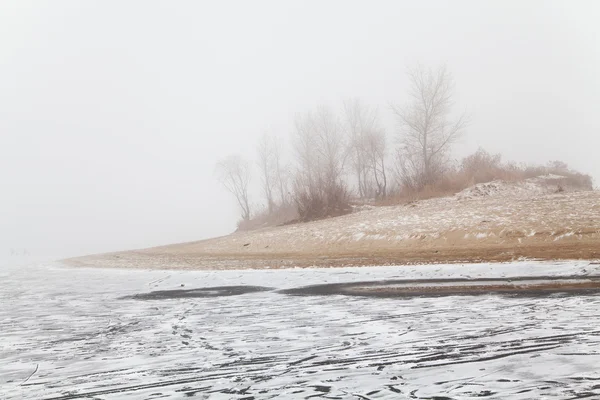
<point x="154" y="259"/>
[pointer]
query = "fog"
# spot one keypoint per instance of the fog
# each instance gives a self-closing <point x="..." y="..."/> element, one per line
<point x="113" y="114"/>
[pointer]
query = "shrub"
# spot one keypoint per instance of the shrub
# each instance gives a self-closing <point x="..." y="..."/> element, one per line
<point x="482" y="166"/>
<point x="312" y="203"/>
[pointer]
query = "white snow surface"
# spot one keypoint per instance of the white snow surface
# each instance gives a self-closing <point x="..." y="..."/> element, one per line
<point x="88" y="342"/>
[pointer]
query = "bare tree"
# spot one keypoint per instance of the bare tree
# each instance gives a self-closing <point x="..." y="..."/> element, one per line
<point x="427" y="131"/>
<point x="319" y="189"/>
<point x="304" y="144"/>
<point x="330" y="146"/>
<point x="319" y="148"/>
<point x="272" y="170"/>
<point x="366" y="148"/>
<point x="358" y="119"/>
<point x="234" y="174"/>
<point x="281" y="177"/>
<point x="375" y="146"/>
<point x="267" y="169"/>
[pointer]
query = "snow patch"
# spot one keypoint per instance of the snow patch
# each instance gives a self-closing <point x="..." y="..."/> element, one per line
<point x="564" y="235"/>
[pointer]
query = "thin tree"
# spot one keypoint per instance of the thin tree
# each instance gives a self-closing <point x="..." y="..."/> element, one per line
<point x="234" y="174"/>
<point x="266" y="165"/>
<point x="280" y="176"/>
<point x="304" y="144"/>
<point x="375" y="146"/>
<point x="330" y="146"/>
<point x="366" y="148"/>
<point x="319" y="189"/>
<point x="427" y="130"/>
<point x="272" y="170"/>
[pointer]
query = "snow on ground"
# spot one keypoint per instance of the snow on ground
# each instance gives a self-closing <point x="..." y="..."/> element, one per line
<point x="74" y="329"/>
<point x="541" y="185"/>
<point x="505" y="216"/>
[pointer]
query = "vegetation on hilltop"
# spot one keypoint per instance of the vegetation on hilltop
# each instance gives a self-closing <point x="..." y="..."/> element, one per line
<point x="342" y="159"/>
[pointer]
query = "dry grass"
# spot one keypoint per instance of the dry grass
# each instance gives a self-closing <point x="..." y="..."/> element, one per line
<point x="280" y="215"/>
<point x="483" y="167"/>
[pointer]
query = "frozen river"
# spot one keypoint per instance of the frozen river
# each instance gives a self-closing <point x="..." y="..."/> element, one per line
<point x="84" y="334"/>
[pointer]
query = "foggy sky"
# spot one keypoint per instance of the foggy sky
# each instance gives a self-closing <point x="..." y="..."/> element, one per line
<point x="113" y="113"/>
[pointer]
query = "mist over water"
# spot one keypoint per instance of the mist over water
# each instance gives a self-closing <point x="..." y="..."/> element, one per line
<point x="112" y="117"/>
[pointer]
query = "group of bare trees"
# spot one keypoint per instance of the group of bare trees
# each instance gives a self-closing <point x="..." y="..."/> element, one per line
<point x="339" y="156"/>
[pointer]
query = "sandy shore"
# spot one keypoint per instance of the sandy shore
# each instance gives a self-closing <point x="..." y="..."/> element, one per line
<point x="446" y="230"/>
<point x="166" y="260"/>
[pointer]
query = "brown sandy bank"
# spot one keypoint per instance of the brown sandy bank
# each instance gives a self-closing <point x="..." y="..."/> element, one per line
<point x="445" y="230"/>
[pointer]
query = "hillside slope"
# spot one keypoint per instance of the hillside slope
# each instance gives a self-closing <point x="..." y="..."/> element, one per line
<point x="495" y="221"/>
